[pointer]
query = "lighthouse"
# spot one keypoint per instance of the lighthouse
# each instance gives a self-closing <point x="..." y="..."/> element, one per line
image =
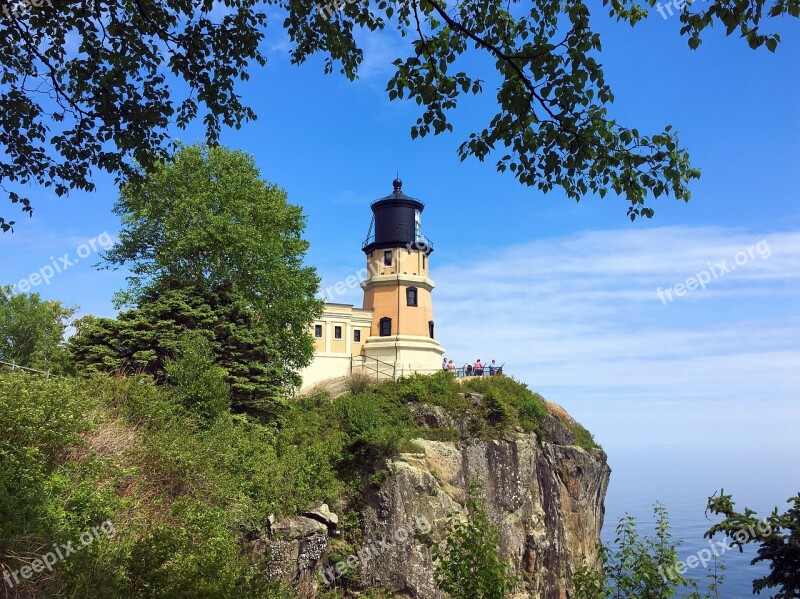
<point x="398" y="288"/>
<point x="393" y="333"/>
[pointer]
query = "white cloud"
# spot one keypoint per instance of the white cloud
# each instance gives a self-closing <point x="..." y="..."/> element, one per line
<point x="578" y="319"/>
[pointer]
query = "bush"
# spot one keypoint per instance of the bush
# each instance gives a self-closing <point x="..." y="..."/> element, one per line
<point x="640" y="566"/>
<point x="181" y="480"/>
<point x="199" y="383"/>
<point x="359" y="382"/>
<point x="468" y="565"/>
<point x="508" y="402"/>
<point x="374" y="426"/>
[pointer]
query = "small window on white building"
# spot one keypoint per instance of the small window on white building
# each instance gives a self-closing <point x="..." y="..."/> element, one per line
<point x="318" y="331"/>
<point x="337" y="332"/>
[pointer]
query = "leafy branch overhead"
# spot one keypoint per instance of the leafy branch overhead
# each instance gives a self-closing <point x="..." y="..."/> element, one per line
<point x="88" y="86"/>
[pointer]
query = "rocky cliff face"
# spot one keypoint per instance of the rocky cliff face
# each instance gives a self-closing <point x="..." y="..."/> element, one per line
<point x="545" y="496"/>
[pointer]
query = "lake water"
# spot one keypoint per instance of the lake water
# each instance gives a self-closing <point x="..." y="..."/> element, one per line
<point x="682" y="478"/>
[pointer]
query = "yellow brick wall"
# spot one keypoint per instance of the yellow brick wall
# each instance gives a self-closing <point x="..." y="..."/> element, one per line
<point x="390" y="301"/>
<point x="403" y="262"/>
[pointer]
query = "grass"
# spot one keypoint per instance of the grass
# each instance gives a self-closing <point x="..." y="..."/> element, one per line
<point x="180" y="491"/>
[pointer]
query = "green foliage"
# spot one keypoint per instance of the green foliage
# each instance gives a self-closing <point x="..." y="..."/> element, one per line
<point x="746" y="17"/>
<point x="41" y="420"/>
<point x="778" y="538"/>
<point x="182" y="490"/>
<point x="205" y="219"/>
<point x="582" y="437"/>
<point x="32" y="330"/>
<point x="373" y="426"/>
<point x="201" y="558"/>
<point x="78" y="452"/>
<point x="210" y="246"/>
<point x="199" y="383"/>
<point x="115" y="81"/>
<point x="144" y="339"/>
<point x="639" y="566"/>
<point x="468" y="565"/>
<point x="508" y="402"/>
<point x="108" y="103"/>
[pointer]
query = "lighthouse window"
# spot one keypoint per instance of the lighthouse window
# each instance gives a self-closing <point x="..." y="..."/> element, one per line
<point x="430" y="328"/>
<point x="318" y="331"/>
<point x="387" y="257"/>
<point x="411" y="296"/>
<point x="386" y="327"/>
<point x="424" y="261"/>
<point x="337" y="332"/>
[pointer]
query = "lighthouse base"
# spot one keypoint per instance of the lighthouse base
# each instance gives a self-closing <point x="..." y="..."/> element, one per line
<point x="406" y="353"/>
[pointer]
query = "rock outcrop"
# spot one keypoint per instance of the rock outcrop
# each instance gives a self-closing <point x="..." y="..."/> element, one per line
<point x="543" y="493"/>
<point x="293" y="545"/>
<point x="545" y="497"/>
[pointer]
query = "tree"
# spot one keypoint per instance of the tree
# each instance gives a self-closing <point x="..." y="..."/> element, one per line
<point x="105" y="99"/>
<point x="199" y="382"/>
<point x="641" y="567"/>
<point x="778" y="537"/>
<point x="205" y="221"/>
<point x="32" y="330"/>
<point x="468" y="565"/>
<point x="149" y="338"/>
<point x="205" y="218"/>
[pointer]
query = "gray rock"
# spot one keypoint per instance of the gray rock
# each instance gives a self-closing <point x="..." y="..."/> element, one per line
<point x="546" y="499"/>
<point x="297" y="527"/>
<point x="291" y="552"/>
<point x="544" y="495"/>
<point x="428" y="416"/>
<point x="322" y="513"/>
<point x="556" y="431"/>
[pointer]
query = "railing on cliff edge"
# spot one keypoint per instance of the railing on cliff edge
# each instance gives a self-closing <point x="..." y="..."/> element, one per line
<point x="15" y="367"/>
<point x="379" y="367"/>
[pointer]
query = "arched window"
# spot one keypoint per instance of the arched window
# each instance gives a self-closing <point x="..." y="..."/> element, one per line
<point x="411" y="296"/>
<point x="386" y="327"/>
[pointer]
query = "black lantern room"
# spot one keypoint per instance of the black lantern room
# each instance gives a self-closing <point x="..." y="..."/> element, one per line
<point x="396" y="223"/>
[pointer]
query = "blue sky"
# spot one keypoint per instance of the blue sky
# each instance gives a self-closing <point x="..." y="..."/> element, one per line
<point x="563" y="293"/>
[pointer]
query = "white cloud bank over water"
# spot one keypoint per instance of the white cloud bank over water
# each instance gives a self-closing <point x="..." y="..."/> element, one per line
<point x="578" y="318"/>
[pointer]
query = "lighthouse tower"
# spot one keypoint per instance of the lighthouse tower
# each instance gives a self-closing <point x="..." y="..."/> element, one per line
<point x="398" y="288"/>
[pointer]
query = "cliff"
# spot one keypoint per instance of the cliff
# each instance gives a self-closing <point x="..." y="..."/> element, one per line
<point x="237" y="508"/>
<point x="544" y="494"/>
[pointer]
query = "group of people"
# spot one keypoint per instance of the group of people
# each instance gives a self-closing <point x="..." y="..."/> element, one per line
<point x="476" y="369"/>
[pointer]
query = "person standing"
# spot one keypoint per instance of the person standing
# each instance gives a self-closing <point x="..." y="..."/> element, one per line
<point x="478" y="368"/>
<point x="492" y="369"/>
<point x="444" y="363"/>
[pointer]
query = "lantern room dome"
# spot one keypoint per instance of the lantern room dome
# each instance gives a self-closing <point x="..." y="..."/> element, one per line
<point x="396" y="222"/>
